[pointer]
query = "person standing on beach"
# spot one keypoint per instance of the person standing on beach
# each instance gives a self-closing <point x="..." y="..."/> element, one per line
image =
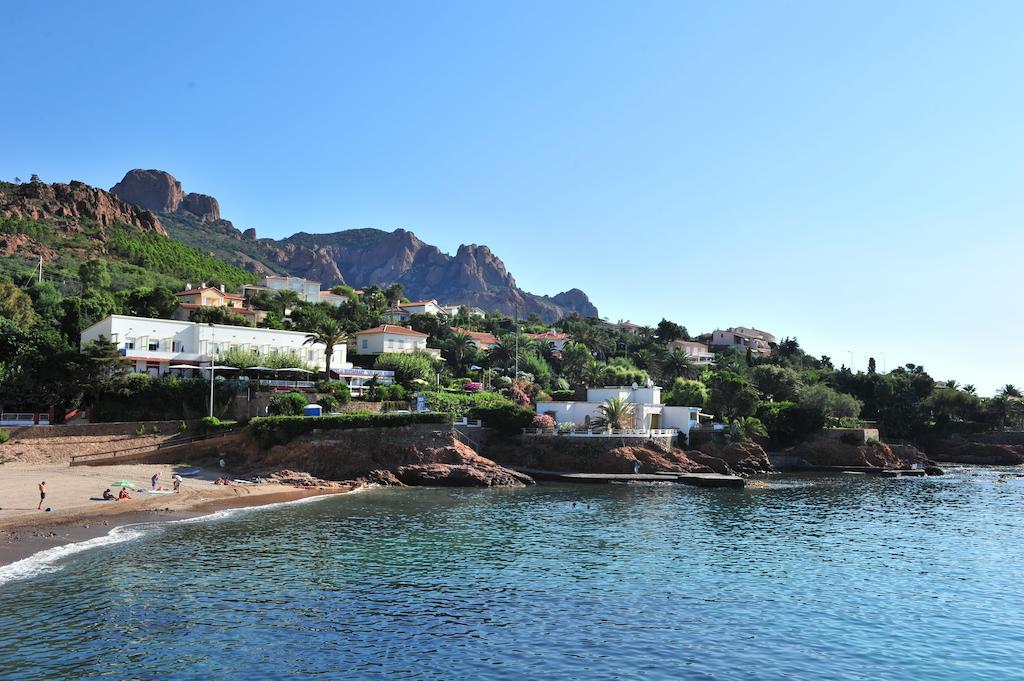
<point x="155" y="479"/>
<point x="177" y="482"/>
<point x="42" y="495"/>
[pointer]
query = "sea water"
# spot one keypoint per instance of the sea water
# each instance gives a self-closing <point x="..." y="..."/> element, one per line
<point x="796" y="577"/>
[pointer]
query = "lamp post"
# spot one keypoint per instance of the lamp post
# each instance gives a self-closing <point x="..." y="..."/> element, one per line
<point x="212" y="362"/>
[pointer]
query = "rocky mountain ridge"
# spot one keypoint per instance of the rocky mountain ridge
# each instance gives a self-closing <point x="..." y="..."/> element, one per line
<point x="68" y="206"/>
<point x="358" y="257"/>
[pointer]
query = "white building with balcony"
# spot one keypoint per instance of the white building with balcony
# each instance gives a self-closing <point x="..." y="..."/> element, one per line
<point x="308" y="291"/>
<point x="388" y="338"/>
<point x="698" y="353"/>
<point x="649" y="414"/>
<point x="743" y="338"/>
<point x="155" y="345"/>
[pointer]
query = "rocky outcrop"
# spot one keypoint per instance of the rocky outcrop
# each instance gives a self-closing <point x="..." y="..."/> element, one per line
<point x="411" y="455"/>
<point x="738" y="458"/>
<point x="959" y="450"/>
<point x="833" y="453"/>
<point x="154" y="190"/>
<point x="202" y="206"/>
<point x="592" y="456"/>
<point x="68" y="206"/>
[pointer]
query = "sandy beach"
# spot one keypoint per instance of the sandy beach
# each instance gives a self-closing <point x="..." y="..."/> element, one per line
<point x="74" y="516"/>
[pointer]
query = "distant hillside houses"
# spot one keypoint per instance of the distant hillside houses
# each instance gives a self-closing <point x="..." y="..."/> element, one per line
<point x="743" y="338"/>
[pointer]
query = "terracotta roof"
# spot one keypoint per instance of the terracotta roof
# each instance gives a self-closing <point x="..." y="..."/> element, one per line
<point x="209" y="288"/>
<point x="549" y="335"/>
<point x="388" y="328"/>
<point x="479" y="336"/>
<point x="239" y="310"/>
<point x="418" y="303"/>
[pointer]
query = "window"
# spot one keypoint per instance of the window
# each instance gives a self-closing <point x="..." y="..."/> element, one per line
<point x="129" y="345"/>
<point x="154" y="345"/>
<point x="365" y="344"/>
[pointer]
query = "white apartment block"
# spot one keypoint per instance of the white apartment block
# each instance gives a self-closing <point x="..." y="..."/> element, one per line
<point x="155" y="345"/>
<point x="648" y="411"/>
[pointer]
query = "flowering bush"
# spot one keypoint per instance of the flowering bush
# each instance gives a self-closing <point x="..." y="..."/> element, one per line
<point x="543" y="422"/>
<point x="567" y="427"/>
<point x="473" y="387"/>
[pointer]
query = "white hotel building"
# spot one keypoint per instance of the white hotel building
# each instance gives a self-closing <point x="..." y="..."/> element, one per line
<point x="154" y="345"/>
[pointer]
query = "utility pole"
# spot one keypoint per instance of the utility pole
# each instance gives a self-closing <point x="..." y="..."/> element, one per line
<point x="212" y="361"/>
<point x="517" y="340"/>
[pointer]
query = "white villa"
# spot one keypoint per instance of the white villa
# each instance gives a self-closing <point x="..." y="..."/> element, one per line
<point x="649" y="413"/>
<point x="555" y="340"/>
<point x="758" y="342"/>
<point x="388" y="338"/>
<point x="155" y="345"/>
<point x="697" y="352"/>
<point x="452" y="310"/>
<point x="308" y="291"/>
<point x="404" y="311"/>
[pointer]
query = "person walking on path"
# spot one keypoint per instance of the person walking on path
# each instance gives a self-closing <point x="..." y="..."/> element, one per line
<point x="155" y="479"/>
<point x="42" y="495"/>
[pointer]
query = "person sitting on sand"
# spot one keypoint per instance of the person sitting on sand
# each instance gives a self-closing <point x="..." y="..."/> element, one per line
<point x="108" y="496"/>
<point x="124" y="494"/>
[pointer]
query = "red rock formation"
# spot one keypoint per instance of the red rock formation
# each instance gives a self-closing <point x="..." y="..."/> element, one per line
<point x="202" y="206"/>
<point x="154" y="190"/>
<point x="563" y="455"/>
<point x="67" y="206"/>
<point x="739" y="458"/>
<point x="413" y="455"/>
<point x="832" y="453"/>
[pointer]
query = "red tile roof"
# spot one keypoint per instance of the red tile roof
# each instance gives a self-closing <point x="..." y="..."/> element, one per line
<point x="388" y="328"/>
<point x="549" y="335"/>
<point x="479" y="336"/>
<point x="209" y="288"/>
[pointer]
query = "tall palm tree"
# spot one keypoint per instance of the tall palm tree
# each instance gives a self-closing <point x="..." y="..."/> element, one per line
<point x="615" y="414"/>
<point x="970" y="389"/>
<point x="285" y="301"/>
<point x="1009" y="390"/>
<point x="593" y="374"/>
<point x="460" y="346"/>
<point x="677" y="364"/>
<point x="952" y="383"/>
<point x="502" y="354"/>
<point x="330" y="333"/>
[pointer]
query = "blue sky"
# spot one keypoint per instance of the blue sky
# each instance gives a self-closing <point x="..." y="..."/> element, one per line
<point x="846" y="173"/>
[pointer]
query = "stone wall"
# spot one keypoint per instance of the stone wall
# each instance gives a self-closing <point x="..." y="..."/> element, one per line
<point x="862" y="434"/>
<point x="93" y="429"/>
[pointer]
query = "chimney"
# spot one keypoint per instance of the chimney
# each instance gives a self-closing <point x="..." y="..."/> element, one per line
<point x="202" y="285"/>
<point x="222" y="288"/>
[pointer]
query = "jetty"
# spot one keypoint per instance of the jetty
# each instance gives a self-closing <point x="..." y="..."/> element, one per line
<point x="694" y="479"/>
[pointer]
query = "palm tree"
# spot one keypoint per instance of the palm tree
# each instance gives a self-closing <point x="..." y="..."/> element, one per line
<point x="951" y="383"/>
<point x="677" y="364"/>
<point x="970" y="389"/>
<point x="593" y="374"/>
<point x="502" y="354"/>
<point x="330" y="333"/>
<point x="285" y="301"/>
<point x="460" y="346"/>
<point x="615" y="414"/>
<point x="1009" y="390"/>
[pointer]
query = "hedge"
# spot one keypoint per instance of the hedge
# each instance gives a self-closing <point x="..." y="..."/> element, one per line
<point x="281" y="429"/>
<point x="460" y="404"/>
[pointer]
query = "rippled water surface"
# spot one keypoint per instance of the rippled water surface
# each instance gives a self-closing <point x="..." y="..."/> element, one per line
<point x="843" y="576"/>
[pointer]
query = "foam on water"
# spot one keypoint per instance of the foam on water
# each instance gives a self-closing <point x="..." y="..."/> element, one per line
<point x="49" y="560"/>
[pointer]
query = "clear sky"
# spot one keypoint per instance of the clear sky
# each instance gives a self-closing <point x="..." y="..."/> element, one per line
<point x="846" y="173"/>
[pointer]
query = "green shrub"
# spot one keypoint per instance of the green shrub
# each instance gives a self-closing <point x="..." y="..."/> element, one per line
<point x="156" y="430"/>
<point x="563" y="395"/>
<point x="460" y="404"/>
<point x="4" y="436"/>
<point x="508" y="419"/>
<point x="288" y="404"/>
<point x="141" y="430"/>
<point x="338" y="389"/>
<point x="182" y="427"/>
<point x="281" y="429"/>
<point x="788" y="423"/>
<point x="328" y="402"/>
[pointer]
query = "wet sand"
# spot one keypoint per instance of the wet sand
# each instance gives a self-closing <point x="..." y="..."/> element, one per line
<point x="74" y="517"/>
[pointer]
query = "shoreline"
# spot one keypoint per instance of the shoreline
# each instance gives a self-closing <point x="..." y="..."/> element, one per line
<point x="24" y="540"/>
